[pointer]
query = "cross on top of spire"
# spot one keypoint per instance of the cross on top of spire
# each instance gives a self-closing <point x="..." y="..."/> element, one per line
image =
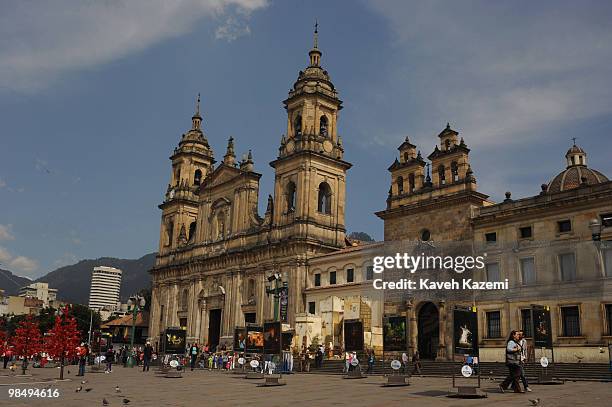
<point x="316" y="34"/>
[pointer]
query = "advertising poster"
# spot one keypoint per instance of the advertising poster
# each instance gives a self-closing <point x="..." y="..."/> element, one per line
<point x="287" y="337"/>
<point x="240" y="335"/>
<point x="255" y="339"/>
<point x="176" y="340"/>
<point x="394" y="333"/>
<point x="284" y="302"/>
<point x="272" y="338"/>
<point x="542" y="332"/>
<point x="465" y="331"/>
<point x="353" y="335"/>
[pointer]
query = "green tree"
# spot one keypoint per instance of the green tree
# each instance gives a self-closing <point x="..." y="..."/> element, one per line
<point x="82" y="314"/>
<point x="361" y="236"/>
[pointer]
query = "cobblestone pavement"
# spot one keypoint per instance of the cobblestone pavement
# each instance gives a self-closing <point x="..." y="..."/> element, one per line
<point x="203" y="388"/>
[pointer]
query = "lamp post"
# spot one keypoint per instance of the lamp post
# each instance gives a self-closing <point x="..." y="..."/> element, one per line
<point x="137" y="303"/>
<point x="595" y="226"/>
<point x="275" y="290"/>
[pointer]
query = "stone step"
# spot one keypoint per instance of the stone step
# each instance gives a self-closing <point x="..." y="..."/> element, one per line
<point x="570" y="371"/>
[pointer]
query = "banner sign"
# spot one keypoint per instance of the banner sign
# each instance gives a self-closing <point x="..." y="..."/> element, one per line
<point x="240" y="335"/>
<point x="395" y="333"/>
<point x="284" y="302"/>
<point x="175" y="341"/>
<point x="272" y="338"/>
<point x="465" y="331"/>
<point x="353" y="335"/>
<point x="254" y="339"/>
<point x="286" y="339"/>
<point x="542" y="332"/>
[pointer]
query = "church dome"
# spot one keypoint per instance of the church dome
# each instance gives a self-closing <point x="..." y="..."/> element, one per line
<point x="576" y="174"/>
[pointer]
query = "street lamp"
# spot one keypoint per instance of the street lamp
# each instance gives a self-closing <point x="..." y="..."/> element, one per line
<point x="275" y="278"/>
<point x="596" y="228"/>
<point x="135" y="302"/>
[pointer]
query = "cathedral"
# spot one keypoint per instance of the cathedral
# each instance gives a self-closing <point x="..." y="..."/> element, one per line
<point x="220" y="264"/>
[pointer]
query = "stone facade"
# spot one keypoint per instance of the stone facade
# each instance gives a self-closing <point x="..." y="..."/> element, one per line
<point x="216" y="253"/>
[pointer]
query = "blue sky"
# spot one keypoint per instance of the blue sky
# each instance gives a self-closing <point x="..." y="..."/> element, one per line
<point x="95" y="95"/>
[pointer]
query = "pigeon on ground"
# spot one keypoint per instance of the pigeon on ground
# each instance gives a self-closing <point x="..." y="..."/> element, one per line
<point x="83" y="381"/>
<point x="535" y="402"/>
<point x="88" y="390"/>
<point x="78" y="389"/>
<point x="117" y="389"/>
<point x="104" y="402"/>
<point x="126" y="401"/>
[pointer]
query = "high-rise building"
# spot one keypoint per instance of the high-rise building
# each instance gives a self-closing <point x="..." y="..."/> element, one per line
<point x="105" y="287"/>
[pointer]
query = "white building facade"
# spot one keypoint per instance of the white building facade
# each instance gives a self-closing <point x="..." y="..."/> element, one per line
<point x="105" y="288"/>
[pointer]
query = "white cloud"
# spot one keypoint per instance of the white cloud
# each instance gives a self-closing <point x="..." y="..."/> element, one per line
<point x="24" y="264"/>
<point x="6" y="232"/>
<point x="45" y="40"/>
<point x="17" y="263"/>
<point x="65" y="260"/>
<point x="2" y="182"/>
<point x="232" y="29"/>
<point x="498" y="72"/>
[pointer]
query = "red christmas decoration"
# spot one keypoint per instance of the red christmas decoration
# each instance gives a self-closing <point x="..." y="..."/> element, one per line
<point x="62" y="340"/>
<point x="27" y="340"/>
<point x="3" y="342"/>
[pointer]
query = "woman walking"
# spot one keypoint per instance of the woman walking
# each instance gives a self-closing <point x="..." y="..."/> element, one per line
<point x="513" y="358"/>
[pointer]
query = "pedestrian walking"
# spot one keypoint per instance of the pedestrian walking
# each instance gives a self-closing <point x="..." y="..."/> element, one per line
<point x="523" y="345"/>
<point x="147" y="355"/>
<point x="110" y="357"/>
<point x="83" y="352"/>
<point x="405" y="361"/>
<point x="416" y="362"/>
<point x="371" y="360"/>
<point x="513" y="357"/>
<point x="193" y="352"/>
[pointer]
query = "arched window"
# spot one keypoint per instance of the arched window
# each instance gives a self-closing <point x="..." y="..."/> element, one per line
<point x="297" y="125"/>
<point x="441" y="175"/>
<point x="170" y="232"/>
<point x="400" y="184"/>
<point x="197" y="177"/>
<point x="447" y="144"/>
<point x="192" y="230"/>
<point x="250" y="290"/>
<point x="290" y="196"/>
<point x="324" y="201"/>
<point x="406" y="157"/>
<point x="425" y="235"/>
<point x="323" y="126"/>
<point x="455" y="171"/>
<point x="177" y="176"/>
<point x="411" y="182"/>
<point x="221" y="225"/>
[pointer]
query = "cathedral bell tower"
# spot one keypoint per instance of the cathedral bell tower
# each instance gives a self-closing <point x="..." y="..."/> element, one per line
<point x="192" y="161"/>
<point x="309" y="190"/>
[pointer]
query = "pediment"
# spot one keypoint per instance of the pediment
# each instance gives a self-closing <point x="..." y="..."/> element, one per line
<point x="221" y="175"/>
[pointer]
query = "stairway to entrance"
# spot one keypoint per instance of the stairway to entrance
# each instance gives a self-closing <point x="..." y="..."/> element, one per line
<point x="566" y="371"/>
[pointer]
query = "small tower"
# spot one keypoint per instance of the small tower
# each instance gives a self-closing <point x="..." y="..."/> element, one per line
<point x="407" y="173"/>
<point x="450" y="161"/>
<point x="192" y="161"/>
<point x="309" y="191"/>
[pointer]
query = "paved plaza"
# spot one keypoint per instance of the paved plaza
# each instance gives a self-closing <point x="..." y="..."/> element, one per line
<point x="201" y="388"/>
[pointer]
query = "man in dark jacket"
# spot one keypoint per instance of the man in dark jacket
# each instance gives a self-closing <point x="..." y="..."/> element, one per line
<point x="147" y="354"/>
